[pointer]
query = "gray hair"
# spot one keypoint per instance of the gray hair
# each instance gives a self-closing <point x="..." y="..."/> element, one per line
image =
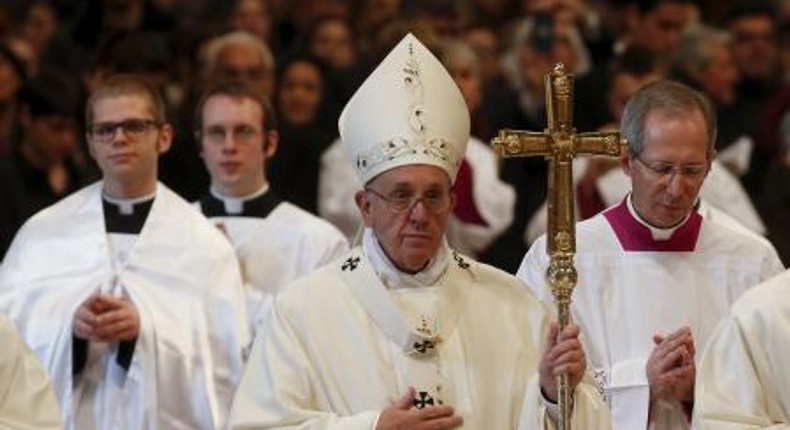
<point x="460" y="54"/>
<point x="219" y="44"/>
<point x="670" y="98"/>
<point x="695" y="50"/>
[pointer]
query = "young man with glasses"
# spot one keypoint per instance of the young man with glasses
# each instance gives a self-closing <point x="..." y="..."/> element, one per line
<point x="403" y="331"/>
<point x="275" y="241"/>
<point x="658" y="270"/>
<point x="123" y="290"/>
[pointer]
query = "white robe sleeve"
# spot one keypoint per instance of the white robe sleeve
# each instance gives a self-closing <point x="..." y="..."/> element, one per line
<point x="737" y="388"/>
<point x="275" y="391"/>
<point x="27" y="401"/>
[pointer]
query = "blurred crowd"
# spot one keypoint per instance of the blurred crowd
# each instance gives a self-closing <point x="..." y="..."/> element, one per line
<point x="309" y="56"/>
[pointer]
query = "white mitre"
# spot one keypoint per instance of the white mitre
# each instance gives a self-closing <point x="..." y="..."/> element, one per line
<point x="408" y="111"/>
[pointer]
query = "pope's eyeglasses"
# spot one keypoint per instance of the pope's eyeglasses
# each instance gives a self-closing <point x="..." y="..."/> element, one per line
<point x="401" y="201"/>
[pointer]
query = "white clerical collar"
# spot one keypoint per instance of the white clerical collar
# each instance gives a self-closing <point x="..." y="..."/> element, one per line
<point x="658" y="233"/>
<point x="393" y="278"/>
<point x="126" y="206"/>
<point x="235" y="205"/>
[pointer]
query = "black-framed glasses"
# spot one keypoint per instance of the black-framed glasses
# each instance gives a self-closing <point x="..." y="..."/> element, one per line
<point x="664" y="170"/>
<point x="134" y="128"/>
<point x="402" y="201"/>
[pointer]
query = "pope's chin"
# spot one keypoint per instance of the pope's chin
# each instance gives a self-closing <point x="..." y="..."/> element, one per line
<point x="416" y="252"/>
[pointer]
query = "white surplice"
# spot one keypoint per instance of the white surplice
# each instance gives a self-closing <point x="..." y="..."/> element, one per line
<point x="26" y="398"/>
<point x="183" y="278"/>
<point x="742" y="378"/>
<point x="341" y="346"/>
<point x="625" y="296"/>
<point x="277" y="247"/>
<point x="494" y="199"/>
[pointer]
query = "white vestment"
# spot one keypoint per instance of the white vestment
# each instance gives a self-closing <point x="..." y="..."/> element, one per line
<point x="183" y="279"/>
<point x="721" y="190"/>
<point x="341" y="347"/>
<point x="26" y="398"/>
<point x="275" y="245"/>
<point x="631" y="286"/>
<point x="742" y="378"/>
<point x="494" y="199"/>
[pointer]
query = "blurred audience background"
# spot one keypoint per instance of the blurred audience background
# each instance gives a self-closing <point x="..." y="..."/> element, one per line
<point x="309" y="56"/>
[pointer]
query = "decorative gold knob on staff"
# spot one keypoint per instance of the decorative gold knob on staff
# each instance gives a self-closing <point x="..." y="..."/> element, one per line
<point x="559" y="143"/>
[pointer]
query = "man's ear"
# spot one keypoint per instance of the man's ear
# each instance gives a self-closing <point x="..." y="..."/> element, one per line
<point x="165" y="139"/>
<point x="90" y="146"/>
<point x="270" y="144"/>
<point x="625" y="162"/>
<point x="364" y="206"/>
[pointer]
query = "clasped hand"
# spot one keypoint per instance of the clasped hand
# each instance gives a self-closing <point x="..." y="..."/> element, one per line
<point x="104" y="318"/>
<point x="670" y="368"/>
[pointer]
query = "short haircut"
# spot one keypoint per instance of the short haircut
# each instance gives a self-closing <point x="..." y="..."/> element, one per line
<point x="460" y="54"/>
<point x="236" y="90"/>
<point x="127" y="85"/>
<point x="696" y="49"/>
<point x="636" y="60"/>
<point x="51" y="92"/>
<point x="647" y="6"/>
<point x="668" y="98"/>
<point x="752" y="9"/>
<point x="217" y="45"/>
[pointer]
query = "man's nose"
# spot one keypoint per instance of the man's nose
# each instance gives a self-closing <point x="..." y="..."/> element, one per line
<point x="417" y="210"/>
<point x="229" y="143"/>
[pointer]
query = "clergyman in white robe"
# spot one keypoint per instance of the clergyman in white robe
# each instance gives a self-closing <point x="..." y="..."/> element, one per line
<point x="26" y="398"/>
<point x="275" y="241"/>
<point x="347" y="341"/>
<point x="742" y="378"/>
<point x="635" y="280"/>
<point x="183" y="278"/>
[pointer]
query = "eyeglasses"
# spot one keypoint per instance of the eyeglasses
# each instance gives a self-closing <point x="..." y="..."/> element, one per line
<point x="403" y="201"/>
<point x="663" y="170"/>
<point x="218" y="134"/>
<point x="104" y="132"/>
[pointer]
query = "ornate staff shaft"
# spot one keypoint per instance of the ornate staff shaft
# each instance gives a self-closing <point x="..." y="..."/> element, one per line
<point x="559" y="143"/>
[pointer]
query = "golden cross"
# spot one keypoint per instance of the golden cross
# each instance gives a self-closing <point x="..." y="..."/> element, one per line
<point x="559" y="143"/>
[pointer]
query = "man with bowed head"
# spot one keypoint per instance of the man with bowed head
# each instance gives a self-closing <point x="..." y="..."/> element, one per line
<point x="658" y="270"/>
<point x="403" y="331"/>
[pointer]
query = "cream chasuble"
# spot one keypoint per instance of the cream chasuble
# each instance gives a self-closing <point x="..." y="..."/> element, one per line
<point x="26" y="398"/>
<point x="742" y="378"/>
<point x="344" y="343"/>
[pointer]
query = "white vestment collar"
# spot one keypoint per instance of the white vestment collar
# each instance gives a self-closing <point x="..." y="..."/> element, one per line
<point x="658" y="233"/>
<point x="393" y="278"/>
<point x="126" y="206"/>
<point x="419" y="345"/>
<point x="235" y="205"/>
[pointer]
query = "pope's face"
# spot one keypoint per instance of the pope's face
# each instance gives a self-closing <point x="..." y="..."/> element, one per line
<point x="667" y="175"/>
<point x="411" y="238"/>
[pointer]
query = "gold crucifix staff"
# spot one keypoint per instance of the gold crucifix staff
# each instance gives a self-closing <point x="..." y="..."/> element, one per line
<point x="559" y="143"/>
